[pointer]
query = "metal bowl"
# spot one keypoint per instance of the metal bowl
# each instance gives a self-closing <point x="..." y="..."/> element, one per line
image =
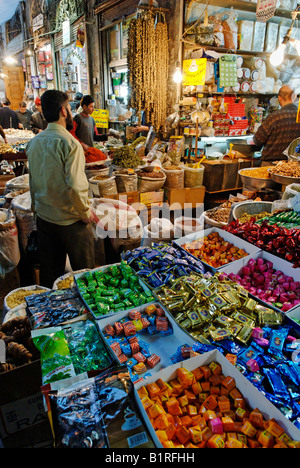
<point x="256" y="183"/>
<point x="284" y="180"/>
<point x="251" y="208"/>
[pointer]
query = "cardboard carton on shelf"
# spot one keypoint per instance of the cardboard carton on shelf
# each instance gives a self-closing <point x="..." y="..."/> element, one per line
<point x="193" y="196"/>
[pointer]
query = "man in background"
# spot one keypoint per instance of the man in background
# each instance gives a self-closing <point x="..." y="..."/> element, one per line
<point x="24" y="115"/>
<point x="38" y="123"/>
<point x="8" y="117"/>
<point x="279" y="129"/>
<point x="85" y="129"/>
<point x="59" y="192"/>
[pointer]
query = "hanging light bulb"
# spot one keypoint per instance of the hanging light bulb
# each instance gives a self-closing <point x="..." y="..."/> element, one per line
<point x="178" y="74"/>
<point x="277" y="57"/>
<point x="10" y="60"/>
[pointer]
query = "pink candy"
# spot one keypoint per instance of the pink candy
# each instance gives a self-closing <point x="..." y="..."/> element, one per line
<point x="216" y="426"/>
<point x="252" y="365"/>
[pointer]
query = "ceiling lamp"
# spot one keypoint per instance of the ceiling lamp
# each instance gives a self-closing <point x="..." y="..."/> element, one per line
<point x="277" y="56"/>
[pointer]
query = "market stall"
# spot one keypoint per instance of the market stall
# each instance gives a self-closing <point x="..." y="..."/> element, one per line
<point x="197" y="327"/>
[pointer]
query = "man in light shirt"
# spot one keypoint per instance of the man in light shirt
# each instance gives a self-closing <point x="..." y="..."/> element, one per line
<point x="59" y="192"/>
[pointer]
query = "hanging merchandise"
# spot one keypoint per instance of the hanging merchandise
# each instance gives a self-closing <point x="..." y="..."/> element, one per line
<point x="228" y="70"/>
<point x="230" y="30"/>
<point x="148" y="67"/>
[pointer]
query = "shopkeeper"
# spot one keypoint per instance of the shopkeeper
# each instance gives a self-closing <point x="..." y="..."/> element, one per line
<point x="85" y="129"/>
<point x="279" y="129"/>
<point x="24" y="115"/>
<point x="59" y="192"/>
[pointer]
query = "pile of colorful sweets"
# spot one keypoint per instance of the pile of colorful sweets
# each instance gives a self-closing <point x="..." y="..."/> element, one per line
<point x="288" y="219"/>
<point x="52" y="308"/>
<point x="270" y="362"/>
<point x="158" y="264"/>
<point x="215" y="309"/>
<point x="214" y="250"/>
<point x="67" y="352"/>
<point x="114" y="289"/>
<point x="203" y="408"/>
<point x="124" y="338"/>
<point x="271" y="286"/>
<point x="98" y="412"/>
<point x="218" y="313"/>
<point x="280" y="241"/>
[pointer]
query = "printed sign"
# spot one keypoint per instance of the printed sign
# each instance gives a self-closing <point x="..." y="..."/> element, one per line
<point x="101" y="117"/>
<point x="194" y="72"/>
<point x="265" y="10"/>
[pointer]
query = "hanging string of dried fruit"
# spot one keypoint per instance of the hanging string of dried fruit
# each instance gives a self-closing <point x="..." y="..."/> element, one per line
<point x="135" y="61"/>
<point x="162" y="60"/>
<point x="148" y="60"/>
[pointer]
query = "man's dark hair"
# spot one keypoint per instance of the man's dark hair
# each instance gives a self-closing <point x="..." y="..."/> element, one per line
<point x="87" y="100"/>
<point x="23" y="104"/>
<point x="52" y="102"/>
<point x="6" y="102"/>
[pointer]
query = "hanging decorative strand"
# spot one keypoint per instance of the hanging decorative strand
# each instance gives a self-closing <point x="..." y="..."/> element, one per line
<point x="148" y="60"/>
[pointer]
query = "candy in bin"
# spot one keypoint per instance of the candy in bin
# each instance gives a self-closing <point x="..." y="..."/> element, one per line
<point x="116" y="348"/>
<point x="140" y="357"/>
<point x="133" y="339"/>
<point x="135" y="315"/>
<point x="161" y="323"/>
<point x="129" y="329"/>
<point x="131" y="362"/>
<point x="153" y="360"/>
<point x="140" y="368"/>
<point x="126" y="349"/>
<point x="152" y="330"/>
<point x="138" y="325"/>
<point x="151" y="309"/>
<point x="145" y="322"/>
<point x="135" y="347"/>
<point x="109" y="329"/>
<point x="123" y="358"/>
<point x="119" y="328"/>
<point x="160" y="312"/>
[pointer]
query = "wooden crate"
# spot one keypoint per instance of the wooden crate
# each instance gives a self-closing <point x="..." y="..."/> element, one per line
<point x="224" y="175"/>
